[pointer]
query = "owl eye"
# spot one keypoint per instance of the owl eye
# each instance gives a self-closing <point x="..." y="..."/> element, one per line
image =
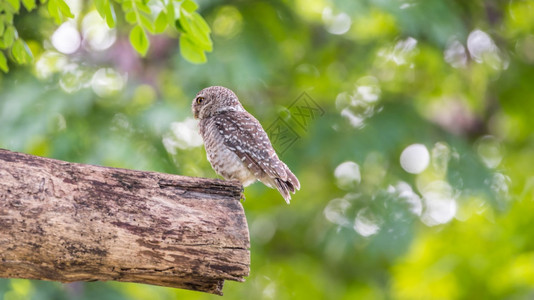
<point x="200" y="100"/>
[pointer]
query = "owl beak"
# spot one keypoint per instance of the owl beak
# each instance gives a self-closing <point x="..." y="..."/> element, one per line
<point x="195" y="114"/>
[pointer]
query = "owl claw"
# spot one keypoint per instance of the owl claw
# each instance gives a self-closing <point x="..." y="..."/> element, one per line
<point x="242" y="192"/>
<point x="242" y="196"/>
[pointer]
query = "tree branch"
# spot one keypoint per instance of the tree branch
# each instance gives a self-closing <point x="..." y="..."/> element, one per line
<point x="69" y="222"/>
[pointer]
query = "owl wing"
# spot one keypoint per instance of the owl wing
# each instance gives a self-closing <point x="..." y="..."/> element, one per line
<point x="243" y="134"/>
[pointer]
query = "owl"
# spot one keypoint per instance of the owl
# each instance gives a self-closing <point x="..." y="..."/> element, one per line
<point x="236" y="145"/>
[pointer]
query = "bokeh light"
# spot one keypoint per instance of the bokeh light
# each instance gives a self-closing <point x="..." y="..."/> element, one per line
<point x="97" y="35"/>
<point x="336" y="23"/>
<point x="483" y="49"/>
<point x="366" y="223"/>
<point x="455" y="54"/>
<point x="107" y="82"/>
<point x="183" y="135"/>
<point x="415" y="158"/>
<point x="408" y="196"/>
<point x="489" y="149"/>
<point x="228" y="22"/>
<point x="66" y="39"/>
<point x="49" y="63"/>
<point x="440" y="203"/>
<point x="336" y="210"/>
<point x="348" y="175"/>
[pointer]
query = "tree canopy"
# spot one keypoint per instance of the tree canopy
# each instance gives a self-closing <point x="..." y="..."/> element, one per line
<point x="408" y="123"/>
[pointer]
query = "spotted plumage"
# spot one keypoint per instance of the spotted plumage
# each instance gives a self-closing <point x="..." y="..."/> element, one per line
<point x="236" y="145"/>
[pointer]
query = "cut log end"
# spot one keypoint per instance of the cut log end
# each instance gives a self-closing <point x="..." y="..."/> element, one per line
<point x="70" y="222"/>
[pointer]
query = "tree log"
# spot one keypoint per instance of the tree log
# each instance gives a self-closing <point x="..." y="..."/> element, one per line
<point x="70" y="222"/>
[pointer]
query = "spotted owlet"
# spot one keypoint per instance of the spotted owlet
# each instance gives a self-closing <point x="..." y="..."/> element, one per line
<point x="236" y="145"/>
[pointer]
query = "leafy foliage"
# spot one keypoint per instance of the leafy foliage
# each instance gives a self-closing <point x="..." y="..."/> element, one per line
<point x="106" y="11"/>
<point x="58" y="10"/>
<point x="145" y="17"/>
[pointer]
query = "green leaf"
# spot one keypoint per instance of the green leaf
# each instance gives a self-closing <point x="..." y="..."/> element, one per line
<point x="183" y="24"/>
<point x="7" y="8"/>
<point x="57" y="9"/>
<point x="178" y="25"/>
<point x="2" y="26"/>
<point x="161" y="22"/>
<point x="126" y="5"/>
<point x="190" y="51"/>
<point x="8" y="17"/>
<point x="64" y="8"/>
<point x="200" y="22"/>
<point x="139" y="40"/>
<point x="29" y="4"/>
<point x="189" y="6"/>
<point x="111" y="17"/>
<point x="141" y="6"/>
<point x="15" y="4"/>
<point x="170" y="13"/>
<point x="106" y="11"/>
<point x="131" y="17"/>
<point x="100" y="6"/>
<point x="9" y="37"/>
<point x="169" y="9"/>
<point x="53" y="10"/>
<point x="3" y="62"/>
<point x="21" y="52"/>
<point x="18" y="51"/>
<point x="200" y="32"/>
<point x="146" y="22"/>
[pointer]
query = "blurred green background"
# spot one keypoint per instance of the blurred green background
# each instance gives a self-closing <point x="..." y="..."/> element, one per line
<point x="413" y="143"/>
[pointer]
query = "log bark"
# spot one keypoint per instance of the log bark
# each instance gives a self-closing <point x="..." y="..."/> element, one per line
<point x="68" y="222"/>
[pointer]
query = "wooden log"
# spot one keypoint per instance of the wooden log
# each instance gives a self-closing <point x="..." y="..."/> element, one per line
<point x="68" y="222"/>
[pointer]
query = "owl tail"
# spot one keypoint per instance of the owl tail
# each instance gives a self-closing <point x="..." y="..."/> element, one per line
<point x="292" y="184"/>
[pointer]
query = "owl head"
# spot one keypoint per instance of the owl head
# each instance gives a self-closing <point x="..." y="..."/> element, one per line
<point x="214" y="100"/>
